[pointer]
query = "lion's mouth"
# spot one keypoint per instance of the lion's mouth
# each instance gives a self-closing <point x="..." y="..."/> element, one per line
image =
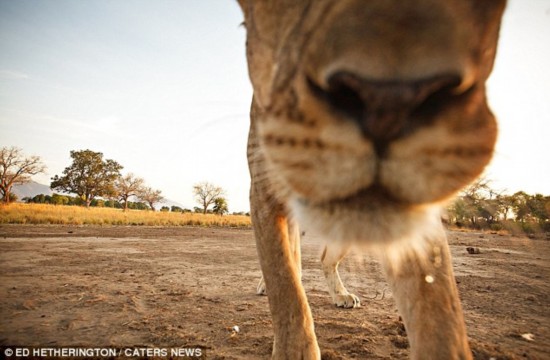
<point x="373" y="196"/>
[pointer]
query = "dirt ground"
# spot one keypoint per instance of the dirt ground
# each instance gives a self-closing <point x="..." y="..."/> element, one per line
<point x="173" y="287"/>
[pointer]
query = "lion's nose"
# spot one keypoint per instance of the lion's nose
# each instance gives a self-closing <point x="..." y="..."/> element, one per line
<point x="388" y="110"/>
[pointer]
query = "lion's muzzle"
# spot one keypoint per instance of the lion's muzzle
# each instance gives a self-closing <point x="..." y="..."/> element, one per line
<point x="388" y="110"/>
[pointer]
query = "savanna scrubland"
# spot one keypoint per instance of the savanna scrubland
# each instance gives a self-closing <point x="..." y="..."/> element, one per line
<point x="157" y="286"/>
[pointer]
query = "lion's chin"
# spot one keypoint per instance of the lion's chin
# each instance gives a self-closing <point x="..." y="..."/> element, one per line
<point x="370" y="217"/>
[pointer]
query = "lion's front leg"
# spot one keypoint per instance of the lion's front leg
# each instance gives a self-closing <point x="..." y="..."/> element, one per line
<point x="424" y="287"/>
<point x="292" y="321"/>
<point x="294" y="239"/>
<point x="332" y="255"/>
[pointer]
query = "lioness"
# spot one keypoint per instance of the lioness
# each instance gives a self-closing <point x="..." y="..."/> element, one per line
<point x="366" y="116"/>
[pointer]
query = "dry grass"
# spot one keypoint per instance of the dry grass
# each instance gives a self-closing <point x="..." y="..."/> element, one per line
<point x="75" y="215"/>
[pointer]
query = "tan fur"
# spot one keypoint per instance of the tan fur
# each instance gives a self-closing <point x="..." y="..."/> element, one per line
<point x="330" y="259"/>
<point x="366" y="116"/>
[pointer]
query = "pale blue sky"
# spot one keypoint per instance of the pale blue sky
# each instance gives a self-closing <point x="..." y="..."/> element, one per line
<point x="161" y="87"/>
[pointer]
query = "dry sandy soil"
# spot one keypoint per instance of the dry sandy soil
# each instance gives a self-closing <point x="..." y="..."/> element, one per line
<point x="172" y="287"/>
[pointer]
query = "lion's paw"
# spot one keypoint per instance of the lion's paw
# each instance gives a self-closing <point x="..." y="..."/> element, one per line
<point x="347" y="301"/>
<point x="261" y="290"/>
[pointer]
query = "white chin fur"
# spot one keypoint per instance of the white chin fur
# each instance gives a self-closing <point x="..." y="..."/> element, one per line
<point x="376" y="227"/>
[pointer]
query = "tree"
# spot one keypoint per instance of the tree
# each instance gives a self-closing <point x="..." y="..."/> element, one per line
<point x="506" y="204"/>
<point x="481" y="201"/>
<point x="459" y="211"/>
<point x="128" y="186"/>
<point x="478" y="190"/>
<point x="206" y="193"/>
<point x="538" y="207"/>
<point x="220" y="206"/>
<point x="60" y="199"/>
<point x="16" y="169"/>
<point x="150" y="196"/>
<point x="520" y="206"/>
<point x="89" y="176"/>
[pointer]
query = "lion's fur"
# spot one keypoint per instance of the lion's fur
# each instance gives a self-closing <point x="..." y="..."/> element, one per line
<point x="367" y="116"/>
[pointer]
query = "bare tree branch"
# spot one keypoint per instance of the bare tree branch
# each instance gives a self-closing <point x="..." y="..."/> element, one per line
<point x="128" y="186"/>
<point x="206" y="193"/>
<point x="16" y="169"/>
<point x="150" y="196"/>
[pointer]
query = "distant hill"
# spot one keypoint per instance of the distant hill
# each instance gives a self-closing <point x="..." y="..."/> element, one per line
<point x="30" y="189"/>
<point x="169" y="203"/>
<point x="33" y="188"/>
